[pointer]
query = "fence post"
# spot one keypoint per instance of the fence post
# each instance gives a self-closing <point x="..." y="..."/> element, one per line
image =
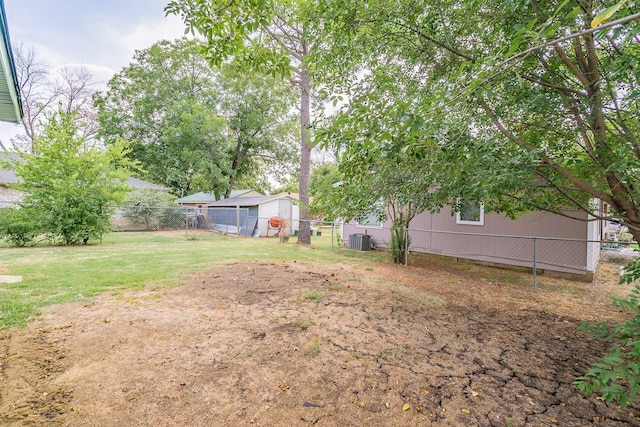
<point x="535" y="284"/>
<point x="186" y="223"/>
<point x="406" y="246"/>
<point x="332" y="225"/>
<point x="238" y="220"/>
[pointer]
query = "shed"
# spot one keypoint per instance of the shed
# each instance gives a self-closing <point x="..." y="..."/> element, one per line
<point x="253" y="213"/>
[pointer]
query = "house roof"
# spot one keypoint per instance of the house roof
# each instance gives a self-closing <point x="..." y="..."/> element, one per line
<point x="9" y="176"/>
<point x="247" y="201"/>
<point x="242" y="193"/>
<point x="139" y="183"/>
<point x="10" y="104"/>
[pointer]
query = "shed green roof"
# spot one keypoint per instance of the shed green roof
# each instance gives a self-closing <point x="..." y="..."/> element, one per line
<point x="201" y="197"/>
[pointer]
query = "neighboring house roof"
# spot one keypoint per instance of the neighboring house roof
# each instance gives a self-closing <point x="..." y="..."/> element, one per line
<point x="244" y="193"/>
<point x="10" y="104"/>
<point x="295" y="196"/>
<point x="247" y="201"/>
<point x="9" y="176"/>
<point x="139" y="183"/>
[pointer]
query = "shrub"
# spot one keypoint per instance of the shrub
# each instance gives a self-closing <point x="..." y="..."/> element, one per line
<point x="18" y="228"/>
<point x="143" y="207"/>
<point x="617" y="375"/>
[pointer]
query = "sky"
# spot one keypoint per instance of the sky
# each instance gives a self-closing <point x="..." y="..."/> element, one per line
<point x="101" y="35"/>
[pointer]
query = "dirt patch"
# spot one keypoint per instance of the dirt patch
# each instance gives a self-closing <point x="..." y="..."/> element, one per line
<point x="297" y="344"/>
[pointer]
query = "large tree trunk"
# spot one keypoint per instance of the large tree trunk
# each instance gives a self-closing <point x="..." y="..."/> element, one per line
<point x="237" y="160"/>
<point x="304" y="236"/>
<point x="635" y="234"/>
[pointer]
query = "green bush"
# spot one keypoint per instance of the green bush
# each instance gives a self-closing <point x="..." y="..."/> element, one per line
<point x="150" y="209"/>
<point x="617" y="375"/>
<point x="172" y="218"/>
<point x="18" y="228"/>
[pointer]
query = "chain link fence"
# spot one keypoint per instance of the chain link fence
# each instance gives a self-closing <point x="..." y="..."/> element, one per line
<point x="232" y="221"/>
<point x="573" y="257"/>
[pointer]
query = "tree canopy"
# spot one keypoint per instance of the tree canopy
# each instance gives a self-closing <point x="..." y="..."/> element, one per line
<point x="532" y="107"/>
<point x="194" y="128"/>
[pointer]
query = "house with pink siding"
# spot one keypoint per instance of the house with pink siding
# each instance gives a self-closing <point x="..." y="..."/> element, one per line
<point x="560" y="245"/>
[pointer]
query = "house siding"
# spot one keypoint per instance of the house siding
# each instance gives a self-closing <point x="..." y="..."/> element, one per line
<point x="9" y="196"/>
<point x="499" y="240"/>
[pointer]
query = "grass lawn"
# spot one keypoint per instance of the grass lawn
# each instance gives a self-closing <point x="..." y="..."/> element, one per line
<point x="55" y="274"/>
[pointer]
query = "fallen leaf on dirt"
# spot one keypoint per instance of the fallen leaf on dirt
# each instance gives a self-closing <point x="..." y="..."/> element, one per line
<point x="466" y="411"/>
<point x="406" y="407"/>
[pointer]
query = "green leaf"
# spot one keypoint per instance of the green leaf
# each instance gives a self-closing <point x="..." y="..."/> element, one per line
<point x="606" y="14"/>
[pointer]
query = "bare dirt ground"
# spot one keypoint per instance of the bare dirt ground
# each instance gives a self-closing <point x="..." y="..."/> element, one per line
<point x="270" y="343"/>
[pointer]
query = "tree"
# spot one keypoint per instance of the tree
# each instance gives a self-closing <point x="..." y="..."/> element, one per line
<point x="534" y="106"/>
<point x="71" y="90"/>
<point x="375" y="178"/>
<point x="70" y="189"/>
<point x="164" y="103"/>
<point x="324" y="178"/>
<point x="261" y="125"/>
<point x="512" y="88"/>
<point x="263" y="36"/>
<point x="194" y="128"/>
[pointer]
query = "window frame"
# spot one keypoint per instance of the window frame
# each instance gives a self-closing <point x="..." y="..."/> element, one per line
<point x="378" y="224"/>
<point x="461" y="221"/>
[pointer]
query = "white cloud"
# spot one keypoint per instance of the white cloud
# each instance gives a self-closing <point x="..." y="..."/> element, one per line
<point x="123" y="42"/>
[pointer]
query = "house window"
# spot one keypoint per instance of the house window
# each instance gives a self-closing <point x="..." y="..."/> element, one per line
<point x="371" y="221"/>
<point x="470" y="214"/>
